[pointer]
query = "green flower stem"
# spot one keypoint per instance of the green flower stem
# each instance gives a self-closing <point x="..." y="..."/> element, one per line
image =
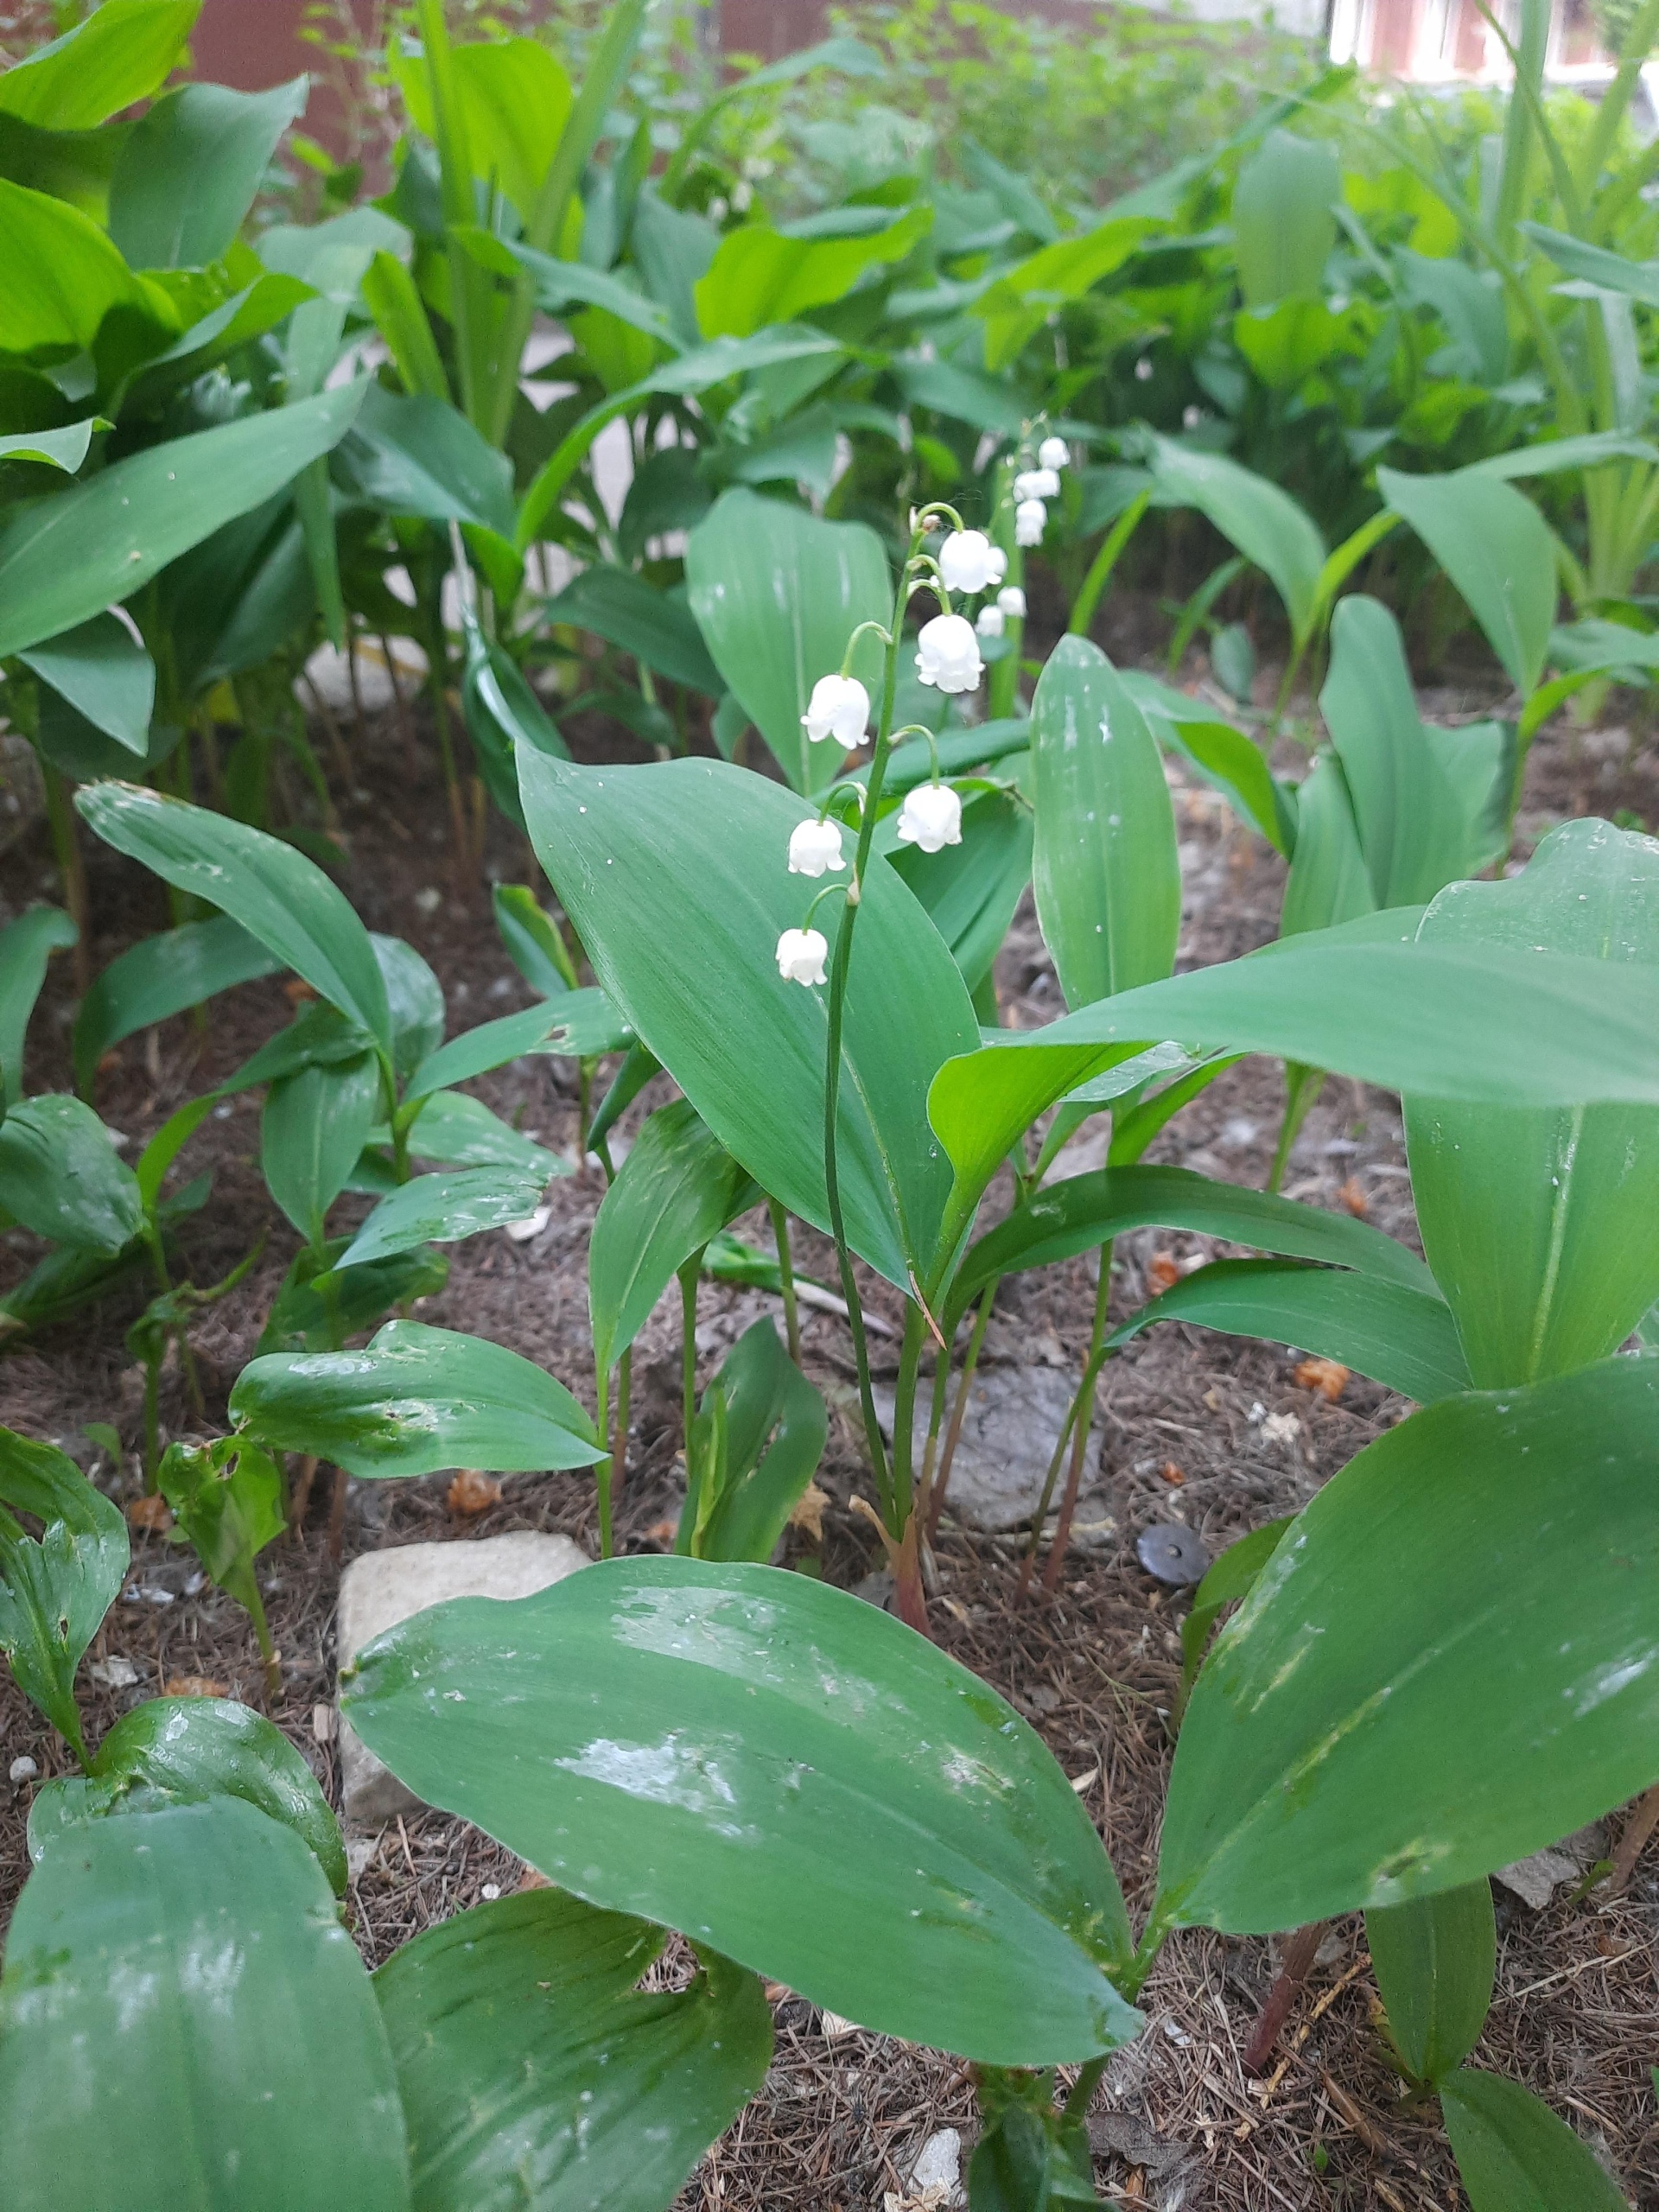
<point x="786" y="1273"/>
<point x="1083" y="1422"/>
<point x="602" y="1467"/>
<point x="965" y="1384"/>
<point x="1100" y="572"/>
<point x="689" y="1274"/>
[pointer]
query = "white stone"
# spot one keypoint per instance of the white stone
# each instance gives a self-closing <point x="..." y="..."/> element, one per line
<point x="23" y="1769"/>
<point x="939" y="2166"/>
<point x="383" y="1588"/>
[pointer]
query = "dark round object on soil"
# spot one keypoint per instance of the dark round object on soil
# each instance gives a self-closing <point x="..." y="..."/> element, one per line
<point x="1173" y="1554"/>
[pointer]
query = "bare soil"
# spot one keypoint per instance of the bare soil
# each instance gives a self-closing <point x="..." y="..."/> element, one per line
<point x="1191" y="1427"/>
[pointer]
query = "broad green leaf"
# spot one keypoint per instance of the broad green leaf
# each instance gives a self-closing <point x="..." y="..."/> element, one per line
<point x="635" y="853"/>
<point x="412" y="455"/>
<point x="1285" y="343"/>
<point x="1084" y="1212"/>
<point x="1104" y="871"/>
<point x="274" y="891"/>
<point x="1449" y="1662"/>
<point x="971" y="890"/>
<point x="62" y="1177"/>
<point x="1233" y="1576"/>
<point x="1470" y="303"/>
<point x="303" y="1319"/>
<point x="503" y="713"/>
<point x="777" y="594"/>
<point x="710" y="1745"/>
<point x="1284" y="219"/>
<point x="393" y="298"/>
<point x="513" y="98"/>
<point x="227" y="1499"/>
<point x="1404" y="1338"/>
<point x="461" y="1132"/>
<point x="26" y="946"/>
<point x="560" y="283"/>
<point x="534" y="942"/>
<point x="1265" y="524"/>
<point x="66" y="449"/>
<point x="415" y="1000"/>
<point x="1434" y="1959"/>
<point x="185" y="2023"/>
<point x="578" y="1025"/>
<point x="538" y="2076"/>
<point x="59" y="276"/>
<point x="417" y="1401"/>
<point x="1530" y="1218"/>
<point x="676" y="1188"/>
<point x="318" y="1036"/>
<point x="1496" y="549"/>
<point x="64" y="560"/>
<point x="189" y="1751"/>
<point x="626" y="610"/>
<point x="1329" y="881"/>
<point x="1030" y="2151"/>
<point x="104" y="672"/>
<point x="1228" y="761"/>
<point x="1414" y="830"/>
<point x="247" y="315"/>
<point x="55" y="1590"/>
<point x="1017" y="306"/>
<point x="313" y="1126"/>
<point x="122" y="51"/>
<point x="159" y="977"/>
<point x="760" y="275"/>
<point x="440" y="1209"/>
<point x="1592" y="450"/>
<point x="773" y="1428"/>
<point x="1598" y="264"/>
<point x="188" y="172"/>
<point x="1514" y="2155"/>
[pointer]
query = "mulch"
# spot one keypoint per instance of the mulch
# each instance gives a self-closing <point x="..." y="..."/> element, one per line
<point x="1191" y="1427"/>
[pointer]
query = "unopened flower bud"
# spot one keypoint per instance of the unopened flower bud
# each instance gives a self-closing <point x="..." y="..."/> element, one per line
<point x="949" y="654"/>
<point x="1053" y="453"/>
<point x="965" y="561"/>
<point x="814" y="847"/>
<point x="1012" y="601"/>
<point x="1143" y="369"/>
<point x="990" y="621"/>
<point x="1030" y="518"/>
<point x="839" y="708"/>
<point x="801" y="955"/>
<point x="999" y="564"/>
<point x="931" y="817"/>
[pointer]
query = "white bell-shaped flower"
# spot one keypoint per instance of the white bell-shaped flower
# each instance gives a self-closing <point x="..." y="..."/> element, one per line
<point x="1037" y="484"/>
<point x="1053" y="453"/>
<point x="949" y="655"/>
<point x="801" y="955"/>
<point x="815" y="846"/>
<point x="990" y="622"/>
<point x="931" y="817"/>
<point x="1030" y="519"/>
<point x="965" y="562"/>
<point x="839" y="708"/>
<point x="999" y="564"/>
<point x="1012" y="601"/>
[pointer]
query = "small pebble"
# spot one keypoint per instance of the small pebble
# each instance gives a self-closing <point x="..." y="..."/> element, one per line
<point x="490" y="1892"/>
<point x="23" y="1769"/>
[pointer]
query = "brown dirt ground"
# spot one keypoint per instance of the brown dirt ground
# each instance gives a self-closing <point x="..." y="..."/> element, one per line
<point x="839" y="2120"/>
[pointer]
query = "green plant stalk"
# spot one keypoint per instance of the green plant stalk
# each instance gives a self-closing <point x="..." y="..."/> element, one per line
<point x="786" y="1278"/>
<point x="72" y="867"/>
<point x="959" y="1406"/>
<point x="1083" y="1423"/>
<point x="1518" y="122"/>
<point x="1100" y="569"/>
<point x="469" y="285"/>
<point x="268" y="1652"/>
<point x="1302" y="1087"/>
<point x="620" y="1432"/>
<point x="602" y="1467"/>
<point x="904" y="1417"/>
<point x="935" y="1416"/>
<point x="1615" y="101"/>
<point x="689" y="1274"/>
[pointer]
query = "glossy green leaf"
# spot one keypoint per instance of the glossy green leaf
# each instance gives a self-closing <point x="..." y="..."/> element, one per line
<point x="246" y="315"/>
<point x="1030" y="2154"/>
<point x="1233" y="1576"/>
<point x="1107" y="880"/>
<point x="1329" y="882"/>
<point x="626" y="610"/>
<point x="393" y="298"/>
<point x="461" y="1132"/>
<point x="66" y="449"/>
<point x="185" y="2023"/>
<point x="55" y="1589"/>
<point x="64" y="560"/>
<point x="708" y="1745"/>
<point x="1084" y="1212"/>
<point x="1225" y="757"/>
<point x="313" y="1126"/>
<point x="1449" y="1662"/>
<point x="26" y="946"/>
<point x="578" y="1024"/>
<point x="1496" y="549"/>
<point x="159" y="977"/>
<point x="1416" y="832"/>
<point x="777" y="594"/>
<point x="189" y="1751"/>
<point x="412" y="455"/>
<point x="414" y="1001"/>
<point x="1285" y="343"/>
<point x="274" y="891"/>
<point x="513" y="98"/>
<point x="227" y="1500"/>
<point x="1265" y="524"/>
<point x="187" y="173"/>
<point x="62" y="1177"/>
<point x="561" y="284"/>
<point x="676" y="1188"/>
<point x="417" y="1401"/>
<point x="1514" y="2155"/>
<point x="104" y="672"/>
<point x="443" y="1208"/>
<point x="1400" y="1337"/>
<point x="301" y="1319"/>
<point x="534" y="942"/>
<point x="773" y="1427"/>
<point x="1528" y="1217"/>
<point x="970" y="891"/>
<point x="121" y="53"/>
<point x="634" y="854"/>
<point x="1284" y="219"/>
<point x="760" y="275"/>
<point x="1434" y="1958"/>
<point x="503" y="713"/>
<point x="59" y="277"/>
<point x="538" y="2077"/>
<point x="1016" y="306"/>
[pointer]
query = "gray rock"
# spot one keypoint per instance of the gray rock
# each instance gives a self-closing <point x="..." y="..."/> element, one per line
<point x="1013" y="1418"/>
<point x="382" y="1588"/>
<point x="1535" y="1878"/>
